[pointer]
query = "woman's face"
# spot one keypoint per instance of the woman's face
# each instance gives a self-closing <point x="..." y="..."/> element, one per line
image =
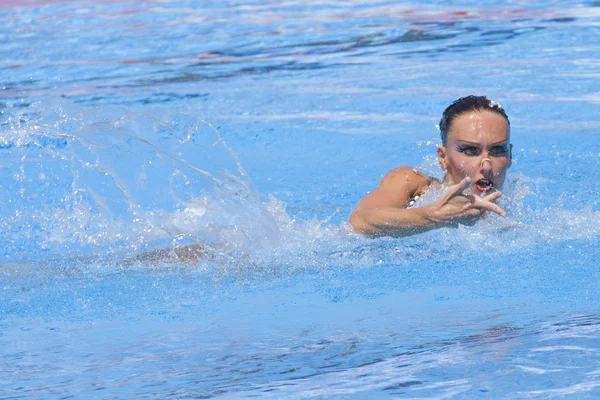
<point x="477" y="146"/>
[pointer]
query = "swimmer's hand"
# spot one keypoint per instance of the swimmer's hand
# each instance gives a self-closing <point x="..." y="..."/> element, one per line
<point x="457" y="207"/>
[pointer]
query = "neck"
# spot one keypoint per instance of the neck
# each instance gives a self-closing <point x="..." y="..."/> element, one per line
<point x="447" y="180"/>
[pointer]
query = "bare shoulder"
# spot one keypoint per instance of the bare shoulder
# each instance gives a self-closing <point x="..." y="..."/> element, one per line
<point x="406" y="178"/>
<point x="396" y="188"/>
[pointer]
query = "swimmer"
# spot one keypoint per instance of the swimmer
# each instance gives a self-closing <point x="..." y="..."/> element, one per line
<point x="475" y="154"/>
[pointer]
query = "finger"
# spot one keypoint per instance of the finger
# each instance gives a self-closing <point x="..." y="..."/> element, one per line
<point x="470" y="201"/>
<point x="473" y="212"/>
<point x="458" y="188"/>
<point x="493" y="197"/>
<point x="487" y="205"/>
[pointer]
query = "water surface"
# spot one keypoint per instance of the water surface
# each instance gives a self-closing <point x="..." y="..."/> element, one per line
<point x="252" y="129"/>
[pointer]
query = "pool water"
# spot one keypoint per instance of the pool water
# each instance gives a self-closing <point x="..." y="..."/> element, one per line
<point x="244" y="133"/>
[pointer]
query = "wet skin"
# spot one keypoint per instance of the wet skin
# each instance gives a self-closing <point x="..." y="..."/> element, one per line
<point x="475" y="157"/>
<point x="477" y="147"/>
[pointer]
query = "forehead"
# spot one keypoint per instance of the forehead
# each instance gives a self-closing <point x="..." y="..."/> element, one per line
<point x="479" y="126"/>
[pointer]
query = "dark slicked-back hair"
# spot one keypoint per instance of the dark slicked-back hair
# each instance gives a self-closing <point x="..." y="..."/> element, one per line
<point x="464" y="105"/>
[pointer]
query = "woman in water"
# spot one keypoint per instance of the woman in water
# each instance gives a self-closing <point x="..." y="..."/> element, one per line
<point x="475" y="154"/>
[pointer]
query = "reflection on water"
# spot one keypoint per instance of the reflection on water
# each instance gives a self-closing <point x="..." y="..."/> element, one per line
<point x="200" y="364"/>
<point x="348" y="366"/>
<point x="231" y="40"/>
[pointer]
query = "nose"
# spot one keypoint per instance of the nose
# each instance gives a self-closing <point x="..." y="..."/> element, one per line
<point x="486" y="166"/>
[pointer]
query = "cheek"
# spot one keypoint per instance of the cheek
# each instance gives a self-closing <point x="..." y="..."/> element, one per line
<point x="464" y="164"/>
<point x="500" y="166"/>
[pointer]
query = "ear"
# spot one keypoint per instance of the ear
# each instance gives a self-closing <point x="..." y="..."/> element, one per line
<point x="510" y="156"/>
<point x="441" y="153"/>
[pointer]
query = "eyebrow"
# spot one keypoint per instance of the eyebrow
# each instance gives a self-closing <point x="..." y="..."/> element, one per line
<point x="501" y="143"/>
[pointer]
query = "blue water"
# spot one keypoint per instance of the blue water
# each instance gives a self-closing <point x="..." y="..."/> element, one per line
<point x="250" y="130"/>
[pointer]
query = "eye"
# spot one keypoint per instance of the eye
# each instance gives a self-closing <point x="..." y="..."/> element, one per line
<point x="498" y="150"/>
<point x="469" y="150"/>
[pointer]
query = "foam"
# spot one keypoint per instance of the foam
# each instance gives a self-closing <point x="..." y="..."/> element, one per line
<point x="115" y="184"/>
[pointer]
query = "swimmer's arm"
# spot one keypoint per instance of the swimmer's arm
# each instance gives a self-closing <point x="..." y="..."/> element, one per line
<point x="392" y="221"/>
<point x="384" y="212"/>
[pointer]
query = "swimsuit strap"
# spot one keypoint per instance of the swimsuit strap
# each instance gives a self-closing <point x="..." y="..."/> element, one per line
<point x="413" y="201"/>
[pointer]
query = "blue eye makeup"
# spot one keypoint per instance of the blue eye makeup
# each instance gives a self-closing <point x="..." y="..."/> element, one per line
<point x="499" y="150"/>
<point x="474" y="150"/>
<point x="467" y="149"/>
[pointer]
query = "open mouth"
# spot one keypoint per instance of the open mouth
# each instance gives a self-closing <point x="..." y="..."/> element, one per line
<point x="484" y="185"/>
